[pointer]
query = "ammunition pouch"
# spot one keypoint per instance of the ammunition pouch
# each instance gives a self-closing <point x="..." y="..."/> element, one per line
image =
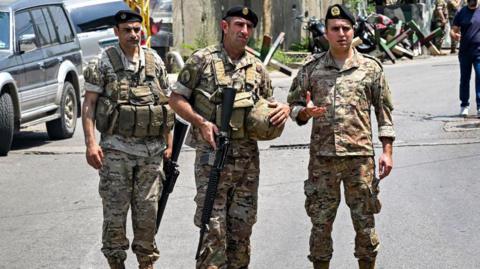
<point x="258" y="125"/>
<point x="132" y="120"/>
<point x="203" y="105"/>
<point x="141" y="95"/>
<point x="241" y="106"/>
<point x="133" y="111"/>
<point x="372" y="203"/>
<point x="144" y="121"/>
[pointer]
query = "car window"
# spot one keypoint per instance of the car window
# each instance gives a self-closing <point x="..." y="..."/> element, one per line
<point x="41" y="26"/>
<point x="51" y="27"/>
<point x="64" y="29"/>
<point x="24" y="33"/>
<point x="90" y="18"/>
<point x="4" y="30"/>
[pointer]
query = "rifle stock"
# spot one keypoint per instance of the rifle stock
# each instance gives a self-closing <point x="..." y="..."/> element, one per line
<point x="170" y="168"/>
<point x="223" y="144"/>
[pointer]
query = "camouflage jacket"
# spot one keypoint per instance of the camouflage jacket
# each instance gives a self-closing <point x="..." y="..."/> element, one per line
<point x="440" y="7"/>
<point x="198" y="74"/>
<point x="97" y="77"/>
<point x="453" y="6"/>
<point x="348" y="95"/>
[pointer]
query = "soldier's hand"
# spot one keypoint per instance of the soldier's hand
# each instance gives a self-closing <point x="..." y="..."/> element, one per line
<point x="208" y="131"/>
<point x="94" y="156"/>
<point x="167" y="154"/>
<point x="385" y="165"/>
<point x="279" y="115"/>
<point x="313" y="110"/>
<point x="456" y="36"/>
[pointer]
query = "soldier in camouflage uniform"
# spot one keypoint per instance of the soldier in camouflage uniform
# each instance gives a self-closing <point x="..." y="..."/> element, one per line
<point x="195" y="97"/>
<point x="337" y="89"/>
<point x="453" y="7"/>
<point x="125" y="100"/>
<point x="440" y="20"/>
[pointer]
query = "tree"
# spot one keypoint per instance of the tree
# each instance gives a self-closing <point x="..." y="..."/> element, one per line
<point x="267" y="17"/>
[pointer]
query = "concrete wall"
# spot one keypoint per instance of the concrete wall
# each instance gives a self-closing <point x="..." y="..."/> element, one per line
<point x="197" y="21"/>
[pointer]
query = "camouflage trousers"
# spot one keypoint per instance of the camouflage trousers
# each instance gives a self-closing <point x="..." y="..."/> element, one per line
<point x="226" y="244"/>
<point x="128" y="180"/>
<point x="453" y="42"/>
<point x="438" y="40"/>
<point x="322" y="190"/>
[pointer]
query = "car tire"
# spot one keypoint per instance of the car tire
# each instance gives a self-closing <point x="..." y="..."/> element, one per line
<point x="6" y="123"/>
<point x="64" y="127"/>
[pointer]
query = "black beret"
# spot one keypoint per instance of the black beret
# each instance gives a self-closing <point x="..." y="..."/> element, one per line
<point x="339" y="12"/>
<point x="123" y="16"/>
<point x="243" y="12"/>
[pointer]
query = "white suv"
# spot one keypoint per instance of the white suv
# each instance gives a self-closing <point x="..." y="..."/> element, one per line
<point x="93" y="20"/>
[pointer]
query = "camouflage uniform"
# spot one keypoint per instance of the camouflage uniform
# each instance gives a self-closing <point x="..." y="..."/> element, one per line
<point x="132" y="170"/>
<point x="440" y="7"/>
<point x="341" y="146"/>
<point x="227" y="242"/>
<point x="452" y="6"/>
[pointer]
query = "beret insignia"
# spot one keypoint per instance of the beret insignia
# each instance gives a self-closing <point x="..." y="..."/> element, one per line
<point x="245" y="11"/>
<point x="335" y="11"/>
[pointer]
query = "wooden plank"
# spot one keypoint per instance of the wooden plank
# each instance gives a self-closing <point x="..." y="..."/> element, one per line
<point x="273" y="48"/>
<point x="274" y="63"/>
<point x="392" y="43"/>
<point x="267" y="42"/>
<point x="403" y="52"/>
<point x="387" y="50"/>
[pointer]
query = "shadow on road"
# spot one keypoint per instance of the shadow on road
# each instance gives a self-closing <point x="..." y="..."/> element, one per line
<point x="29" y="139"/>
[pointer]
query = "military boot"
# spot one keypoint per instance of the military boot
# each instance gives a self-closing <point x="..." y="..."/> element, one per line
<point x="366" y="264"/>
<point x="321" y="265"/>
<point x="116" y="264"/>
<point x="145" y="265"/>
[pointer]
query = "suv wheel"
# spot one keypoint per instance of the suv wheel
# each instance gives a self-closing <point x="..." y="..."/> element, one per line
<point x="64" y="127"/>
<point x="6" y="123"/>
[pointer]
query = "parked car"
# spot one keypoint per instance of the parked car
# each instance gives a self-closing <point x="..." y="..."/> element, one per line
<point x="93" y="20"/>
<point x="41" y="77"/>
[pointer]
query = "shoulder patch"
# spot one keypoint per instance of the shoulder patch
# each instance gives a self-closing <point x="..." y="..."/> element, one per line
<point x="185" y="76"/>
<point x="91" y="73"/>
<point x="374" y="59"/>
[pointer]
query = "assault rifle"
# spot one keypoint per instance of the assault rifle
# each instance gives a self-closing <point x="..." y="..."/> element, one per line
<point x="170" y="168"/>
<point x="223" y="144"/>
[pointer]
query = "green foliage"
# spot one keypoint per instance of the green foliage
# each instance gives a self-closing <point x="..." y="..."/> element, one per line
<point x="300" y="46"/>
<point x="283" y="58"/>
<point x="188" y="47"/>
<point x="201" y="41"/>
<point x="354" y="4"/>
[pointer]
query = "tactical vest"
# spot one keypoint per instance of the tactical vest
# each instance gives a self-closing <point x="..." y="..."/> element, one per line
<point x="244" y="124"/>
<point x="133" y="104"/>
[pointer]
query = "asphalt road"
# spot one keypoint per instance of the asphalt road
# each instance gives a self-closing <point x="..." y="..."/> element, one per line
<point x="50" y="214"/>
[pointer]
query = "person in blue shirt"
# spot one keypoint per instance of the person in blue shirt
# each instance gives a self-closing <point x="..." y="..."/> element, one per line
<point x="466" y="28"/>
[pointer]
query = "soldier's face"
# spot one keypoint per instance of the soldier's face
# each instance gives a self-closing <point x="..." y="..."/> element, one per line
<point x="129" y="34"/>
<point x="237" y="31"/>
<point x="339" y="33"/>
